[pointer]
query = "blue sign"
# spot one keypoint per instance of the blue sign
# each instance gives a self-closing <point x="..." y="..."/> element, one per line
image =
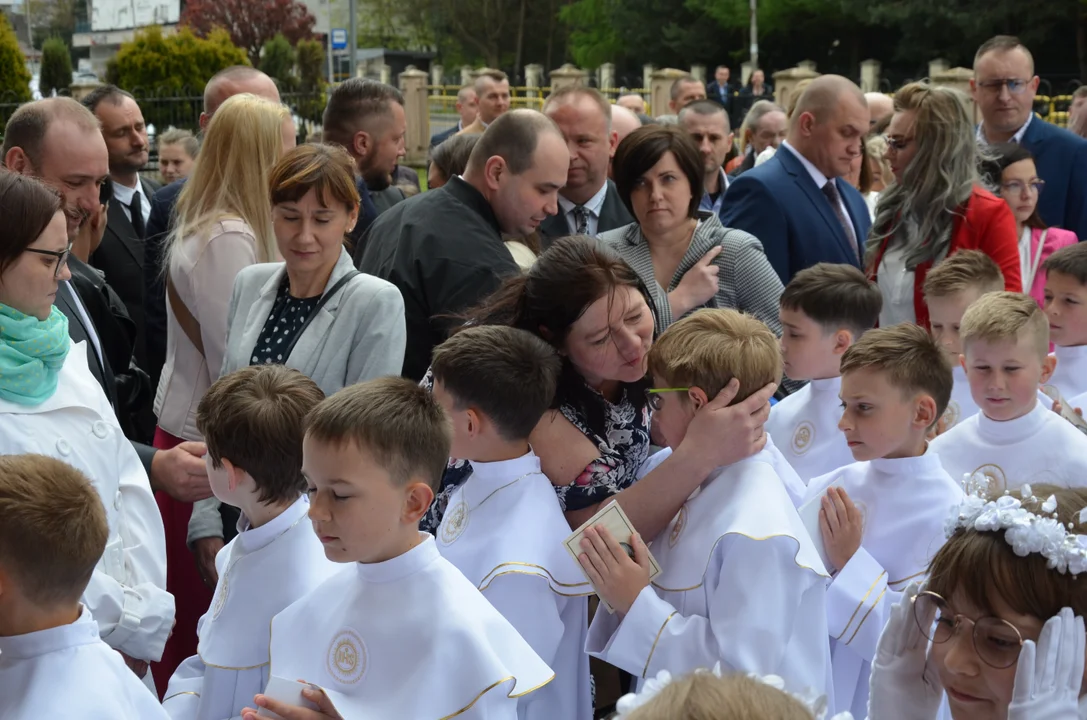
<point x="339" y="38"/>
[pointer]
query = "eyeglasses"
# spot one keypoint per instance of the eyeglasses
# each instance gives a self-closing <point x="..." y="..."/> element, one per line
<point x="652" y="396"/>
<point x="1014" y="85"/>
<point x="60" y="255"/>
<point x="1018" y="187"/>
<point x="896" y="143"/>
<point x="996" y="641"/>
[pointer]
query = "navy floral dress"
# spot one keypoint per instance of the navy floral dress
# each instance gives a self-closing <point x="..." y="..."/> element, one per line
<point x="623" y="443"/>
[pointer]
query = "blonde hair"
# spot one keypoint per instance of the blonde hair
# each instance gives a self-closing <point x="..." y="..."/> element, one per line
<point x="1005" y="316"/>
<point x="244" y="140"/>
<point x="965" y="270"/>
<point x="876" y="148"/>
<point x="704" y="696"/>
<point x="709" y="348"/>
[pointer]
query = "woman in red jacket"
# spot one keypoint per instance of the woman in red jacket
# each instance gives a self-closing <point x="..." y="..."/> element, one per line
<point x="936" y="205"/>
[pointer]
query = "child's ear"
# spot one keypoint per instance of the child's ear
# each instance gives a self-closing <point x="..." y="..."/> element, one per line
<point x="475" y="422"/>
<point x="962" y="361"/>
<point x="233" y="473"/>
<point x="842" y="340"/>
<point x="1048" y="366"/>
<point x="697" y="397"/>
<point x="417" y="499"/>
<point x="924" y="413"/>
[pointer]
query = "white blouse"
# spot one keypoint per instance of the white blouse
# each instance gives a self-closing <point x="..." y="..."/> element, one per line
<point x="896" y="283"/>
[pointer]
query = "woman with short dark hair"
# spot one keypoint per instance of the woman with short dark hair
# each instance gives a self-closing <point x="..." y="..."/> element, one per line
<point x="685" y="257"/>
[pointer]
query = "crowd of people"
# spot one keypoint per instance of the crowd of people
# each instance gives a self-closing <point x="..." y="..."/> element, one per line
<point x="288" y="436"/>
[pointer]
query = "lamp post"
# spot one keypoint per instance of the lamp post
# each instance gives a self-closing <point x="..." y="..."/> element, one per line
<point x="353" y="38"/>
<point x="754" y="35"/>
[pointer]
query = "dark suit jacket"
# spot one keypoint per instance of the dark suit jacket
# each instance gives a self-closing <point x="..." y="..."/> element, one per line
<point x="613" y="214"/>
<point x="154" y="303"/>
<point x="438" y="138"/>
<point x="1061" y="159"/>
<point x="121" y="258"/>
<point x="779" y="203"/>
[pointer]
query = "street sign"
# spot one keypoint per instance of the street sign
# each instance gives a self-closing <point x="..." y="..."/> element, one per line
<point x="339" y="38"/>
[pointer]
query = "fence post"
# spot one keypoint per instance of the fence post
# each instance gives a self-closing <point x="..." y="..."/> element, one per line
<point x="534" y="80"/>
<point x="660" y="90"/>
<point x="939" y="66"/>
<point x="958" y="79"/>
<point x="785" y="81"/>
<point x="466" y="76"/>
<point x="607" y="76"/>
<point x="567" y="75"/>
<point x="698" y="72"/>
<point x="870" y="75"/>
<point x="647" y="74"/>
<point x="416" y="109"/>
<point x="437" y="78"/>
<point x="746" y="69"/>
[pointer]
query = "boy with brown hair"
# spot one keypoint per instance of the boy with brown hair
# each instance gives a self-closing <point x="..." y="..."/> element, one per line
<point x="824" y="310"/>
<point x="1015" y="438"/>
<point x="1066" y="310"/>
<point x="950" y="287"/>
<point x="503" y="527"/>
<point x="52" y="661"/>
<point x="882" y="517"/>
<point x="399" y="632"/>
<point x="251" y="421"/>
<point x="757" y="604"/>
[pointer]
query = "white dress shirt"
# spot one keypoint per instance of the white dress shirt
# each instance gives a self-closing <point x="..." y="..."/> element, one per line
<point x="594" y="205"/>
<point x="124" y="195"/>
<point x="1016" y="138"/>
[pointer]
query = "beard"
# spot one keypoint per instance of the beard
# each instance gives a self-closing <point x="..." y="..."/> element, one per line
<point x="376" y="179"/>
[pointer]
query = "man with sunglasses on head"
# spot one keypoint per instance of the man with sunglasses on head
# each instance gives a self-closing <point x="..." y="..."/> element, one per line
<point x="1004" y="87"/>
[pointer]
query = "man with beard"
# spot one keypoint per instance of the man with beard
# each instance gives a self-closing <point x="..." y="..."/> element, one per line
<point x="367" y="118"/>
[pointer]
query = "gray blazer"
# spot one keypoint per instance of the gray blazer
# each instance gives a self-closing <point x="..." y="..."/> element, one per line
<point x="359" y="334"/>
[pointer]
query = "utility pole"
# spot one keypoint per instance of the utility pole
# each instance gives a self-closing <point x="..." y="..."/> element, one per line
<point x="754" y="35"/>
<point x="331" y="67"/>
<point x="353" y="38"/>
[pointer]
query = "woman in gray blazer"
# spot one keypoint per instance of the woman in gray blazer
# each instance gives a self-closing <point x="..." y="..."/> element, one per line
<point x="313" y="312"/>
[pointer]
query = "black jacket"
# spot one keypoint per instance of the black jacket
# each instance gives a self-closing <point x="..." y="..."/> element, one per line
<point x="613" y="214"/>
<point x="444" y="250"/>
<point x="154" y="303"/>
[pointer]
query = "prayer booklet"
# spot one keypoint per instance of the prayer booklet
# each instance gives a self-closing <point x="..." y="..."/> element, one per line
<point x="285" y="691"/>
<point x="618" y="524"/>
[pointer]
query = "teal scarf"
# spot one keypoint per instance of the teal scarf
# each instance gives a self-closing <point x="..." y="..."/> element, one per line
<point x="32" y="352"/>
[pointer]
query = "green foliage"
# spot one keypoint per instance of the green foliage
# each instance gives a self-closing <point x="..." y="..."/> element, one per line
<point x="311" y="80"/>
<point x="14" y="76"/>
<point x="56" y="71"/>
<point x="277" y="59"/>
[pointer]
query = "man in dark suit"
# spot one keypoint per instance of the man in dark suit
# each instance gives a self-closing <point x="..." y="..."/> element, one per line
<point x="797" y="204"/>
<point x="467" y="108"/>
<point x="120" y="256"/>
<point x="1004" y="86"/>
<point x="721" y="91"/>
<point x="589" y="204"/>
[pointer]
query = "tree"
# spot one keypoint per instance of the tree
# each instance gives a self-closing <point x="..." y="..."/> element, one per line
<point x="277" y="60"/>
<point x="56" y="71"/>
<point x="311" y="80"/>
<point x="251" y="23"/>
<point x="52" y="18"/>
<point x="14" y="77"/>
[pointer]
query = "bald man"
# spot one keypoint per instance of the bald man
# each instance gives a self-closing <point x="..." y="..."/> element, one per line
<point x="633" y="102"/>
<point x="881" y="107"/>
<point x="623" y="122"/>
<point x="796" y="202"/>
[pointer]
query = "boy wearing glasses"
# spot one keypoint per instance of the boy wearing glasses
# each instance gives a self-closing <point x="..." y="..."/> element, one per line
<point x="503" y="527"/>
<point x="742" y="583"/>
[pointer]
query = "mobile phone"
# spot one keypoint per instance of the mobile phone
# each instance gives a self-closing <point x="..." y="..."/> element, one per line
<point x="105" y="193"/>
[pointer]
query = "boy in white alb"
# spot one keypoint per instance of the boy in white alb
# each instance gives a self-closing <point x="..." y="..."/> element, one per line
<point x="53" y="664"/>
<point x="1066" y="310"/>
<point x="1015" y="438"/>
<point x="399" y="632"/>
<point x="824" y="309"/>
<point x="251" y="421"/>
<point x="504" y="528"/>
<point x="882" y="517"/>
<point x="741" y="583"/>
<point x="950" y="287"/>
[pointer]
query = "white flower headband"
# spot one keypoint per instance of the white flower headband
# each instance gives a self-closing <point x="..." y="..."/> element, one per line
<point x="627" y="704"/>
<point x="1027" y="532"/>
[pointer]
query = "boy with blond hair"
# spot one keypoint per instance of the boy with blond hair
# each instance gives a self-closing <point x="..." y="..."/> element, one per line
<point x="53" y="663"/>
<point x="742" y="584"/>
<point x="1066" y="310"/>
<point x="882" y="517"/>
<point x="399" y="632"/>
<point x="251" y="421"/>
<point x="950" y="287"/>
<point x="1015" y="438"/>
<point x="824" y="310"/>
<point x="503" y="527"/>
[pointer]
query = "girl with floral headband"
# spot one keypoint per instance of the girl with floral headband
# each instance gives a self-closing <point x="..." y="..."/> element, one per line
<point x="998" y="630"/>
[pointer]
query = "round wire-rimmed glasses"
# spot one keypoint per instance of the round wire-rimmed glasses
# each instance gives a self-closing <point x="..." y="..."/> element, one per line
<point x="996" y="641"/>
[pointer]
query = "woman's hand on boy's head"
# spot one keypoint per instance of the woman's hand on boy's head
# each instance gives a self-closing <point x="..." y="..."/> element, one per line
<point x="722" y="434"/>
<point x="618" y="578"/>
<point x="325" y="709"/>
<point x="842" y="526"/>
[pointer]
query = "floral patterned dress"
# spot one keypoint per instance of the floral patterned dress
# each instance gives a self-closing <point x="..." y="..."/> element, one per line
<point x="623" y="443"/>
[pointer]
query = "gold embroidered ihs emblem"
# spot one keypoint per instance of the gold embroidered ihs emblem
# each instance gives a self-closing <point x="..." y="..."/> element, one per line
<point x="803" y="437"/>
<point x="988" y="480"/>
<point x="221" y="590"/>
<point x="681" y="522"/>
<point x="347" y="657"/>
<point x="951" y="415"/>
<point x="454" y="523"/>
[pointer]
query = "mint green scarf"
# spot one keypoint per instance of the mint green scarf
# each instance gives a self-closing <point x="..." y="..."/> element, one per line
<point x="32" y="352"/>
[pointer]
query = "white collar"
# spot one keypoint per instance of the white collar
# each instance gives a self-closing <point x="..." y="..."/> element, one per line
<point x="1013" y="430"/>
<point x="252" y="539"/>
<point x="928" y="463"/>
<point x="826" y="386"/>
<point x="124" y="194"/>
<point x="84" y="631"/>
<point x="487" y="478"/>
<point x="401" y="566"/>
<point x="1069" y="353"/>
<point x="816" y="175"/>
<point x="593" y="205"/>
<point x="1016" y="138"/>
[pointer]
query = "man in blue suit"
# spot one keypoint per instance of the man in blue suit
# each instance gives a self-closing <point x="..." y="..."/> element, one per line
<point x="1004" y="87"/>
<point x="798" y="203"/>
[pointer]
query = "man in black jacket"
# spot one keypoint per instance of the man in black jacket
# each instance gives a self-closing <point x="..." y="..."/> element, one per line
<point x="444" y="248"/>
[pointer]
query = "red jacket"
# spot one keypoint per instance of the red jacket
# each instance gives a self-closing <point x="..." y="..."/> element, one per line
<point x="989" y="226"/>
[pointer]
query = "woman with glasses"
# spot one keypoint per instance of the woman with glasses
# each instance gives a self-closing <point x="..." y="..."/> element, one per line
<point x="51" y="404"/>
<point x="997" y="632"/>
<point x="936" y="205"/>
<point x="1011" y="170"/>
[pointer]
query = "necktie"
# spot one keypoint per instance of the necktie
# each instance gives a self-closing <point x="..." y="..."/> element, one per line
<point x="831" y="191"/>
<point x="135" y="208"/>
<point x="581" y="220"/>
